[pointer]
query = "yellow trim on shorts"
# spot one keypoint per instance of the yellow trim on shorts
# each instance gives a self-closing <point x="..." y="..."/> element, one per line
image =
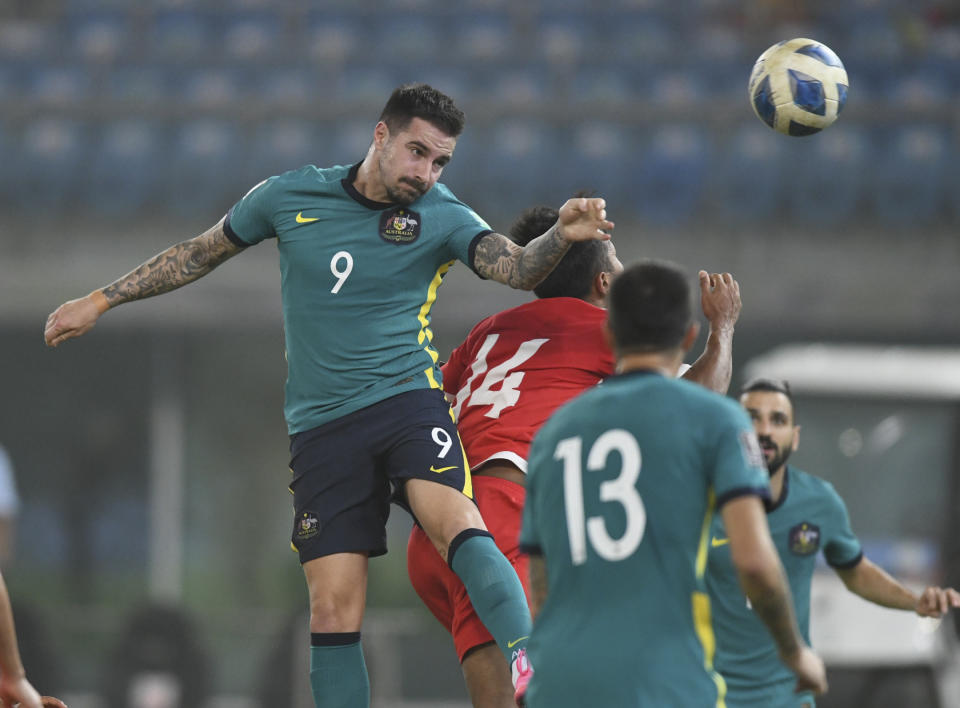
<point x="702" y="621"/>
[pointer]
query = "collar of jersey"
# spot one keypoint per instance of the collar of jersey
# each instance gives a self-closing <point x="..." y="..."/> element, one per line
<point x="783" y="492"/>
<point x="354" y="194"/>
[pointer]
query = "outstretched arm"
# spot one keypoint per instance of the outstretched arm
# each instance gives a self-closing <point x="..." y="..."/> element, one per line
<point x="764" y="582"/>
<point x="872" y="583"/>
<point x="178" y="265"/>
<point x="500" y="259"/>
<point x="720" y="300"/>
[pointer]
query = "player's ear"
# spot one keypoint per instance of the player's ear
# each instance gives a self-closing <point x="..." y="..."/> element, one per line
<point x="381" y="133"/>
<point x="690" y="338"/>
<point x="796" y="438"/>
<point x="601" y="283"/>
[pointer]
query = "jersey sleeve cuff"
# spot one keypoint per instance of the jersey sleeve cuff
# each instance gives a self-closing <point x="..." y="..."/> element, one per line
<point x="531" y="549"/>
<point x="848" y="564"/>
<point x="230" y="233"/>
<point x="761" y="492"/>
<point x="472" y="250"/>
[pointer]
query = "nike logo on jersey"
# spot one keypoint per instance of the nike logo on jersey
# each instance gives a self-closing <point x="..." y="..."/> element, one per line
<point x="719" y="541"/>
<point x="442" y="469"/>
<point x="301" y="219"/>
<point x="511" y="645"/>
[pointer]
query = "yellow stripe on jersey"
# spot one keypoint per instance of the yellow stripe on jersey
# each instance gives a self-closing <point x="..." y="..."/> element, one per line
<point x="704" y="544"/>
<point x="703" y="626"/>
<point x="431" y="378"/>
<point x="424" y="316"/>
<point x="701" y="604"/>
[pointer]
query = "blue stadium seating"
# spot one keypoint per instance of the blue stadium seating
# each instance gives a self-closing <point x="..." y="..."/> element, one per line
<point x="824" y="178"/>
<point x="670" y="177"/>
<point x="50" y="165"/>
<point x="123" y="170"/>
<point x="204" y="172"/>
<point x="747" y="182"/>
<point x="909" y="179"/>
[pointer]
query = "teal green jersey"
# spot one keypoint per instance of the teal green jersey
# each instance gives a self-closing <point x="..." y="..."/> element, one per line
<point x="358" y="280"/>
<point x="809" y="517"/>
<point x="622" y="484"/>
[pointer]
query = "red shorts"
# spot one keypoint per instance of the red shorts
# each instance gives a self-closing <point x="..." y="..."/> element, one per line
<point x="501" y="504"/>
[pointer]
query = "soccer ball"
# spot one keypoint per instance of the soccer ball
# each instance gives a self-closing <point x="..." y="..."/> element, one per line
<point x="798" y="87"/>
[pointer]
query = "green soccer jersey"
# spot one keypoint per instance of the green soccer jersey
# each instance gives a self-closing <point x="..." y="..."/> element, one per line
<point x="358" y="280"/>
<point x="809" y="516"/>
<point x="622" y="484"/>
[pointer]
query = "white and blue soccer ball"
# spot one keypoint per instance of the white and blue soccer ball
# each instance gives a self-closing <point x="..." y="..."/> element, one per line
<point x="798" y="87"/>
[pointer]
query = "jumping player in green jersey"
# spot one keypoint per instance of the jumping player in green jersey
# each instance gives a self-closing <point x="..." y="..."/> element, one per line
<point x="807" y="516"/>
<point x="622" y="484"/>
<point x="363" y="250"/>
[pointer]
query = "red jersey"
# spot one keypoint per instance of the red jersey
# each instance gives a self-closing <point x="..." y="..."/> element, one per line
<point x="517" y="367"/>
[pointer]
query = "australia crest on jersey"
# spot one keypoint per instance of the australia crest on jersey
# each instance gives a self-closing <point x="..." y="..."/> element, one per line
<point x="804" y="539"/>
<point x="400" y="225"/>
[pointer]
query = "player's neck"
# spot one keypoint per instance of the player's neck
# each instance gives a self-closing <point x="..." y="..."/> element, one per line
<point x="367" y="183"/>
<point x="665" y="364"/>
<point x="776" y="484"/>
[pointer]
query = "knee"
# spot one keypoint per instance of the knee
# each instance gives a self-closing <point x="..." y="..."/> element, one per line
<point x="332" y="614"/>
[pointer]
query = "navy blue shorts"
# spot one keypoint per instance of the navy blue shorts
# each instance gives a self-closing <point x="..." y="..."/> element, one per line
<point x="346" y="472"/>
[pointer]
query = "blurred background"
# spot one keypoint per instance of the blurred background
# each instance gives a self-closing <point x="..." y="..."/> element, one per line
<point x="146" y="517"/>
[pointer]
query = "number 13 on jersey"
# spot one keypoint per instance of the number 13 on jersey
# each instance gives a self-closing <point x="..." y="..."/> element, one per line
<point x="622" y="490"/>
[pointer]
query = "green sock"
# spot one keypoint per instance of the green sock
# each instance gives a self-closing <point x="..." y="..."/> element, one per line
<point x="338" y="673"/>
<point x="494" y="589"/>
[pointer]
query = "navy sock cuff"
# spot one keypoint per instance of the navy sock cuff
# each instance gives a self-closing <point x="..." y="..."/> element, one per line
<point x="460" y="539"/>
<point x="334" y="639"/>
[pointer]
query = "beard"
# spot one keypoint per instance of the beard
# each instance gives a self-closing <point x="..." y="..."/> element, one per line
<point x="780" y="457"/>
<point x="405" y="197"/>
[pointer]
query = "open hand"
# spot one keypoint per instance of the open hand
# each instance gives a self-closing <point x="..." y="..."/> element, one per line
<point x="584" y="219"/>
<point x="720" y="299"/>
<point x="936" y="602"/>
<point x="73" y="318"/>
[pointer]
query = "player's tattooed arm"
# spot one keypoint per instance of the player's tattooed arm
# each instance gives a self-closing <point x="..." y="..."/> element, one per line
<point x="498" y="258"/>
<point x="538" y="584"/>
<point x="174" y="268"/>
<point x="178" y="265"/>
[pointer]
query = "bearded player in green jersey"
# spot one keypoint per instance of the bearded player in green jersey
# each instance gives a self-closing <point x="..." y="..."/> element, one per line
<point x="363" y="250"/>
<point x="622" y="484"/>
<point x="807" y="516"/>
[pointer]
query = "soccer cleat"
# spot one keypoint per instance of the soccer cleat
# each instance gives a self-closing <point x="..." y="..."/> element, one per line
<point x="521" y="672"/>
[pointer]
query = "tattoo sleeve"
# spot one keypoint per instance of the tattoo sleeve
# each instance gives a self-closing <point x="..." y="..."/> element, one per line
<point x="500" y="259"/>
<point x="774" y="607"/>
<point x="178" y="265"/>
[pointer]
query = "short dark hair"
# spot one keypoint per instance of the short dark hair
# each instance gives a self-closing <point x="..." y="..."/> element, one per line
<point x="765" y="384"/>
<point x="650" y="307"/>
<point x="573" y="275"/>
<point x="422" y="101"/>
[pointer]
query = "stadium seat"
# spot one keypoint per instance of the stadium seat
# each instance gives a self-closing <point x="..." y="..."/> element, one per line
<point x="99" y="38"/>
<point x="669" y="177"/>
<point x="601" y="157"/>
<point x="825" y="178"/>
<point x="481" y="39"/>
<point x="123" y="170"/>
<point x="286" y="144"/>
<point x="180" y="36"/>
<point x="332" y="39"/>
<point x="203" y="172"/>
<point x="210" y="88"/>
<point x="409" y="38"/>
<point x="52" y="160"/>
<point x="254" y="37"/>
<point x="25" y="42"/>
<point x="139" y="86"/>
<point x="908" y="184"/>
<point x="747" y="183"/>
<point x="59" y="85"/>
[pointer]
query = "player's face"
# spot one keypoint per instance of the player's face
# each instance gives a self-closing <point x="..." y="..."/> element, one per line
<point x="772" y="416"/>
<point x="412" y="159"/>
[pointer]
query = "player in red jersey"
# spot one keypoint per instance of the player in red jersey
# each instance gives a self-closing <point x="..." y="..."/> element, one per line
<point x="509" y="375"/>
